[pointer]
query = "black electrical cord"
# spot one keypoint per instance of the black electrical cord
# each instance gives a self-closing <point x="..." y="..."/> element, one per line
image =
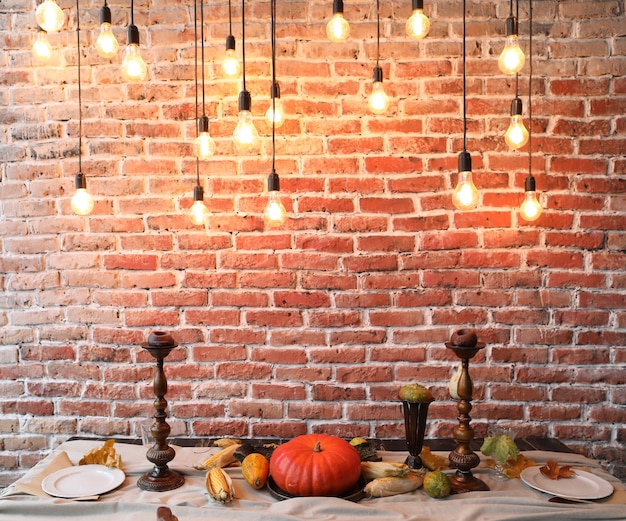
<point x="202" y="50"/>
<point x="530" y="85"/>
<point x="230" y="19"/>
<point x="80" y="102"/>
<point x="195" y="32"/>
<point x="377" y="31"/>
<point x="243" y="41"/>
<point x="464" y="83"/>
<point x="273" y="42"/>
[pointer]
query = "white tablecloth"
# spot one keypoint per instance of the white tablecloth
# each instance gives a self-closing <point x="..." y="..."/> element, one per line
<point x="506" y="501"/>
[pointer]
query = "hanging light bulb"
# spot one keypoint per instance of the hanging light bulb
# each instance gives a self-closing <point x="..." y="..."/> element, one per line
<point x="530" y="209"/>
<point x="512" y="58"/>
<point x="50" y="16"/>
<point x="418" y="24"/>
<point x="82" y="202"/>
<point x="106" y="44"/>
<point x="198" y="213"/>
<point x="274" y="214"/>
<point x="275" y="113"/>
<point x="204" y="146"/>
<point x="338" y="28"/>
<point x="378" y="100"/>
<point x="42" y="51"/>
<point x="245" y="135"/>
<point x="465" y="196"/>
<point x="133" y="67"/>
<point x="516" y="136"/>
<point x="230" y="64"/>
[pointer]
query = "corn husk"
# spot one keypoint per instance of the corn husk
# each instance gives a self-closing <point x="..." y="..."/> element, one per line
<point x="219" y="485"/>
<point x="226" y="442"/>
<point x="389" y="486"/>
<point x="221" y="459"/>
<point x="383" y="469"/>
<point x="105" y="455"/>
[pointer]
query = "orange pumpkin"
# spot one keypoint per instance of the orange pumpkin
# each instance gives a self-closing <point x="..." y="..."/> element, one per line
<point x="315" y="465"/>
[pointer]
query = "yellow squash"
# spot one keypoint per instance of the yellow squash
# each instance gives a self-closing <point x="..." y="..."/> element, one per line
<point x="255" y="469"/>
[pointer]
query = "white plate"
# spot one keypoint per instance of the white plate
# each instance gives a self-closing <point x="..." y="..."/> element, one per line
<point x="83" y="480"/>
<point x="583" y="485"/>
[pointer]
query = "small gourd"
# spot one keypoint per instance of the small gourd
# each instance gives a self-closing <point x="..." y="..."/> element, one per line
<point x="255" y="469"/>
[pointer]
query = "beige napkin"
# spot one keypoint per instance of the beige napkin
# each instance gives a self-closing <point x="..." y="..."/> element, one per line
<point x="33" y="485"/>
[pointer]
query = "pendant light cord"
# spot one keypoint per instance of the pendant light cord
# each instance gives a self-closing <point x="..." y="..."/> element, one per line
<point x="195" y="32"/>
<point x="202" y="51"/>
<point x="243" y="41"/>
<point x="377" y="31"/>
<point x="273" y="42"/>
<point x="530" y="86"/>
<point x="464" y="84"/>
<point x="80" y="100"/>
<point x="517" y="73"/>
<point x="132" y="12"/>
<point x="230" y="19"/>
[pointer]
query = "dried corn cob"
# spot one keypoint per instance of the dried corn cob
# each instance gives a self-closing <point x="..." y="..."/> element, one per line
<point x="383" y="487"/>
<point x="226" y="442"/>
<point x="382" y="469"/>
<point x="219" y="485"/>
<point x="222" y="459"/>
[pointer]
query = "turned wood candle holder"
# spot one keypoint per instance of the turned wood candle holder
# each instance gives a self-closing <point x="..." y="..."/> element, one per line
<point x="462" y="457"/>
<point x="161" y="477"/>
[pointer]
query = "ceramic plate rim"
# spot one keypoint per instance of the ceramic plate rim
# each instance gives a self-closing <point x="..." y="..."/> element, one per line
<point x="529" y="476"/>
<point x="50" y="488"/>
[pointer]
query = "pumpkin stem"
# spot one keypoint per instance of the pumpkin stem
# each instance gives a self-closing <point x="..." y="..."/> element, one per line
<point x="317" y="447"/>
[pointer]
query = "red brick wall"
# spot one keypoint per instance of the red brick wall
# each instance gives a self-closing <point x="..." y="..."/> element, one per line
<point x="314" y="326"/>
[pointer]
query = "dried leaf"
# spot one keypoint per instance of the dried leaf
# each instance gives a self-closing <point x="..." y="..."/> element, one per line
<point x="552" y="470"/>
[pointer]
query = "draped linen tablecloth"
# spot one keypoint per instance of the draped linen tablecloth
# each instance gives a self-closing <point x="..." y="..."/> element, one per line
<point x="510" y="500"/>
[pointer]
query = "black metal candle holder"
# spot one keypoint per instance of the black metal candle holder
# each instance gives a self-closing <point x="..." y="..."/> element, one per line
<point x="415" y="415"/>
<point x="161" y="477"/>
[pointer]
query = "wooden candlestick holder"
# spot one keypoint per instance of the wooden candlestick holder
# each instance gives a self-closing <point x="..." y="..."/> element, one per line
<point x="161" y="477"/>
<point x="462" y="457"/>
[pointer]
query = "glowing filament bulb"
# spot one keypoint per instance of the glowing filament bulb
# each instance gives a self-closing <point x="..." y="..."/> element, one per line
<point x="512" y="58"/>
<point x="245" y="135"/>
<point x="106" y="44"/>
<point x="230" y="64"/>
<point x="516" y="136"/>
<point x="530" y="209"/>
<point x="465" y="195"/>
<point x="50" y="16"/>
<point x="133" y="67"/>
<point x="275" y="113"/>
<point x="378" y="101"/>
<point x="274" y="214"/>
<point x="82" y="203"/>
<point x="204" y="146"/>
<point x="198" y="213"/>
<point x="42" y="51"/>
<point x="418" y="24"/>
<point x="338" y="28"/>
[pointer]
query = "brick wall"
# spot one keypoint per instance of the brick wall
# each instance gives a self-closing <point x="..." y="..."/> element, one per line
<point x="313" y="326"/>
